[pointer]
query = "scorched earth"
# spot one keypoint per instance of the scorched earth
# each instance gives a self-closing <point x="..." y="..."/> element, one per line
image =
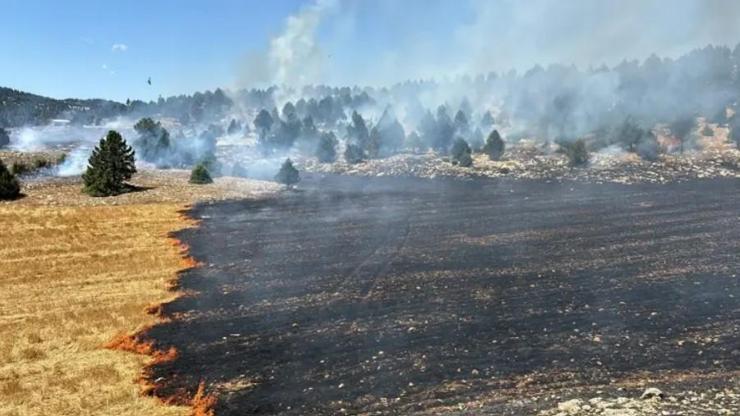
<point x="400" y="295"/>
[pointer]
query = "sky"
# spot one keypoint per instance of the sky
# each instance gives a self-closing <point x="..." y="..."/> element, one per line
<point x="100" y="49"/>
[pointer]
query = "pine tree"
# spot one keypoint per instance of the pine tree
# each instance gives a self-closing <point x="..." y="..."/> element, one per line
<point x="200" y="175"/>
<point x="4" y="137"/>
<point x="154" y="140"/>
<point x="111" y="163"/>
<point x="461" y="153"/>
<point x="9" y="186"/>
<point x="494" y="146"/>
<point x="326" y="151"/>
<point x="353" y="153"/>
<point x="288" y="174"/>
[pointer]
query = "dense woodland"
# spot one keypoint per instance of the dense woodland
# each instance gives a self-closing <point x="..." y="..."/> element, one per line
<point x="557" y="104"/>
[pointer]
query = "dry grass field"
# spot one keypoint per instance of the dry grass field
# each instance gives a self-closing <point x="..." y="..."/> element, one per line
<point x="72" y="279"/>
<point x="77" y="272"/>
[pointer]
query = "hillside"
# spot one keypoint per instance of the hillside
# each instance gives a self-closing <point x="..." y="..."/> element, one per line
<point x="18" y="108"/>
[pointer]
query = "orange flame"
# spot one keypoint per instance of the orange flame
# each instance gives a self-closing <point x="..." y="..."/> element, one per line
<point x="202" y="403"/>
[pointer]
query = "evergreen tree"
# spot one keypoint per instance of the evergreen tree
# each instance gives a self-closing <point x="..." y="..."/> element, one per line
<point x="200" y="175"/>
<point x="111" y="163"/>
<point x="461" y="123"/>
<point x="288" y="174"/>
<point x="308" y="129"/>
<point x="494" y="146"/>
<point x="357" y="131"/>
<point x="153" y="141"/>
<point x="326" y="151"/>
<point x="263" y="122"/>
<point x="461" y="153"/>
<point x="234" y="127"/>
<point x="353" y="153"/>
<point x="445" y="130"/>
<point x="373" y="144"/>
<point x="9" y="186"/>
<point x="4" y="137"/>
<point x="487" y="120"/>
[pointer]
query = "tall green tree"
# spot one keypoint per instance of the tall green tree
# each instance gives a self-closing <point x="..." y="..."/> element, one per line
<point x="111" y="164"/>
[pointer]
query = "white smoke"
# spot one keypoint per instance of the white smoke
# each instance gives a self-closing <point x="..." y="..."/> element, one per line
<point x="295" y="57"/>
<point x="75" y="162"/>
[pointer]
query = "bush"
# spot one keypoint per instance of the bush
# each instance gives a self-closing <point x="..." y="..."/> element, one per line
<point x="20" y="168"/>
<point x="326" y="151"/>
<point x="353" y="153"/>
<point x="200" y="175"/>
<point x="576" y="152"/>
<point x="9" y="186"/>
<point x="494" y="146"/>
<point x="461" y="153"/>
<point x="111" y="163"/>
<point x="288" y="174"/>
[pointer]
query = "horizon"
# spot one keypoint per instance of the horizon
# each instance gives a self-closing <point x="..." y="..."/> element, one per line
<point x="89" y="50"/>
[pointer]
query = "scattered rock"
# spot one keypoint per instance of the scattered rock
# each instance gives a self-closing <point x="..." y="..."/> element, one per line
<point x="651" y="393"/>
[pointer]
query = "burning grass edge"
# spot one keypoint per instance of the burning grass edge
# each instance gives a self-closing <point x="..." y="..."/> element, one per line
<point x="201" y="402"/>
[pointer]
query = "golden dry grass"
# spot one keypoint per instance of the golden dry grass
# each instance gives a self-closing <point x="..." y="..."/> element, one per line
<point x="71" y="278"/>
<point x="77" y="272"/>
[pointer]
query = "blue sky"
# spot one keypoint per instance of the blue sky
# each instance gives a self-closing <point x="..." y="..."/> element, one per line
<point x="106" y="49"/>
<point x="65" y="48"/>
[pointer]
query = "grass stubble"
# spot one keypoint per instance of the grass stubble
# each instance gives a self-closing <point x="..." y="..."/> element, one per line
<point x="77" y="282"/>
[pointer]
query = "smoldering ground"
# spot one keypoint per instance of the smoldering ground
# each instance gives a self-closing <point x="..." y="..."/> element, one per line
<point x="402" y="295"/>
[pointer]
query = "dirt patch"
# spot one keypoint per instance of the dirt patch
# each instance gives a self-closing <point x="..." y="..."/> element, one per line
<point x="155" y="186"/>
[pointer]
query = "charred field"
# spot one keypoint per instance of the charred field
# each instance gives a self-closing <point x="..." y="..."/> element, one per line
<point x="402" y="295"/>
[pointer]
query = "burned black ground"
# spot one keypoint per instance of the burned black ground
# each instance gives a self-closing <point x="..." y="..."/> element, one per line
<point x="399" y="295"/>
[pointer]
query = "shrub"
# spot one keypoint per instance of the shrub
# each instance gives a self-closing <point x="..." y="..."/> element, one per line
<point x="576" y="152"/>
<point x="288" y="174"/>
<point x="461" y="153"/>
<point x="494" y="146"/>
<point x="200" y="175"/>
<point x="20" y="168"/>
<point x="111" y="163"/>
<point x="9" y="186"/>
